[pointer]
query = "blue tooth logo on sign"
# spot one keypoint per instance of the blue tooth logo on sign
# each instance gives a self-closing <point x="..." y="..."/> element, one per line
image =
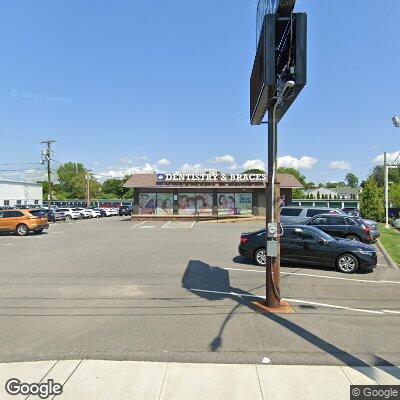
<point x="161" y="177"/>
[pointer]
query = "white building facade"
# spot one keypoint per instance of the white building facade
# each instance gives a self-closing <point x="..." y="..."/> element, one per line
<point x="20" y="193"/>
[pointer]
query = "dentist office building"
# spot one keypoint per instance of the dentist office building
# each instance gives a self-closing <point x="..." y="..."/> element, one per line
<point x="207" y="195"/>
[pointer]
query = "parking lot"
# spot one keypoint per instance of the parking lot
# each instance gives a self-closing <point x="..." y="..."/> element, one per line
<point x="111" y="288"/>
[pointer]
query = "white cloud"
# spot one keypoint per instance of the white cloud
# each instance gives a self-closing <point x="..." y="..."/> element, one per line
<point x="164" y="162"/>
<point x="339" y="165"/>
<point x="304" y="162"/>
<point x="146" y="168"/>
<point x="226" y="159"/>
<point x="254" y="164"/>
<point x="190" y="169"/>
<point x="391" y="157"/>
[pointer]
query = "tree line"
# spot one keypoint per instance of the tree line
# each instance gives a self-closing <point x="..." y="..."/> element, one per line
<point x="71" y="183"/>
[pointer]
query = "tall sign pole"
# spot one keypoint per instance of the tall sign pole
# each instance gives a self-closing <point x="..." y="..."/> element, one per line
<point x="278" y="76"/>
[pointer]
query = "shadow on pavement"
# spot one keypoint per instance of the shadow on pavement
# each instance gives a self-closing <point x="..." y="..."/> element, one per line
<point x="213" y="283"/>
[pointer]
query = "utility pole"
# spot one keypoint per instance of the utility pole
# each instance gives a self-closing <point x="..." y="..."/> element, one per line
<point x="386" y="173"/>
<point x="46" y="156"/>
<point x="88" y="187"/>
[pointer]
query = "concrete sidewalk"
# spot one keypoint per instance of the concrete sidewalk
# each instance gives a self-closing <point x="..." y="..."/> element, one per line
<point x="120" y="380"/>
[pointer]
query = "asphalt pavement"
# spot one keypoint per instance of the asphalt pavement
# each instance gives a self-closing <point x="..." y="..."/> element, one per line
<point x="112" y="289"/>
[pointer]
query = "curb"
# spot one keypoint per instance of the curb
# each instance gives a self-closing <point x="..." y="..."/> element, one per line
<point x="386" y="255"/>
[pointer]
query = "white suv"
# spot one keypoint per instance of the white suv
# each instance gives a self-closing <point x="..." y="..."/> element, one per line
<point x="84" y="212"/>
<point x="70" y="213"/>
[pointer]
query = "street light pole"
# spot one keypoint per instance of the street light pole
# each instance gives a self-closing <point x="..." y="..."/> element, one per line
<point x="386" y="172"/>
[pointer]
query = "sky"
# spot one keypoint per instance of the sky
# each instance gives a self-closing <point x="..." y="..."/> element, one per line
<point x="128" y="86"/>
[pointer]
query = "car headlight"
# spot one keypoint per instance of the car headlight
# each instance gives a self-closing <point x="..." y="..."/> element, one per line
<point x="366" y="252"/>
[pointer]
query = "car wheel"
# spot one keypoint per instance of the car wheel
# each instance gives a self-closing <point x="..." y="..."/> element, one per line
<point x="353" y="237"/>
<point x="260" y="257"/>
<point x="347" y="263"/>
<point x="82" y="216"/>
<point x="38" y="231"/>
<point x="22" y="230"/>
<point x="67" y="218"/>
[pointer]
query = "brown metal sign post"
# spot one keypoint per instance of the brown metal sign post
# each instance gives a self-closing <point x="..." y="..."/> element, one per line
<point x="273" y="297"/>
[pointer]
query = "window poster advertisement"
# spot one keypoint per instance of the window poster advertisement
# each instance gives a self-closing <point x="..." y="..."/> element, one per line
<point x="226" y="204"/>
<point x="165" y="204"/>
<point x="147" y="203"/>
<point x="244" y="203"/>
<point x="187" y="204"/>
<point x="204" y="203"/>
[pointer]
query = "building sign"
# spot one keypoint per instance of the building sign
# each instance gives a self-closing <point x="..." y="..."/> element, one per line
<point x="211" y="177"/>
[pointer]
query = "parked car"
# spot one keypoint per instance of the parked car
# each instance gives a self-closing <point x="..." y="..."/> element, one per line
<point x="59" y="215"/>
<point x="304" y="244"/>
<point x="84" y="212"/>
<point x="125" y="210"/>
<point x="354" y="212"/>
<point x="107" y="211"/>
<point x="345" y="227"/>
<point x="49" y="214"/>
<point x="300" y="214"/>
<point x="70" y="213"/>
<point x="22" y="222"/>
<point x="102" y="212"/>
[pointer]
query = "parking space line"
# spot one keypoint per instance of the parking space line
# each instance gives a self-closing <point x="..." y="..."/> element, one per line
<point x="191" y="226"/>
<point x="335" y="306"/>
<point x="294" y="301"/>
<point x="166" y="224"/>
<point x="391" y="311"/>
<point x="315" y="276"/>
<point x="134" y="226"/>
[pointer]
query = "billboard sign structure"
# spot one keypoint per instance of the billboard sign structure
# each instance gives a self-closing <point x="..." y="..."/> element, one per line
<point x="281" y="56"/>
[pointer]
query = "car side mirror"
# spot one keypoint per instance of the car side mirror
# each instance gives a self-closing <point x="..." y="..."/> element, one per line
<point x="321" y="241"/>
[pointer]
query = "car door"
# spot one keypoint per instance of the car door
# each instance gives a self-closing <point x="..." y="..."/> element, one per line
<point x="8" y="220"/>
<point x="337" y="226"/>
<point x="3" y="221"/>
<point x="291" y="247"/>
<point x="312" y="247"/>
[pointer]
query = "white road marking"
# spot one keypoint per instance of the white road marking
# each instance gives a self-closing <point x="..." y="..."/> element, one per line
<point x="391" y="311"/>
<point x="334" y="306"/>
<point x="147" y="226"/>
<point x="134" y="226"/>
<point x="315" y="276"/>
<point x="296" y="301"/>
<point x="166" y="224"/>
<point x="6" y="244"/>
<point x="191" y="226"/>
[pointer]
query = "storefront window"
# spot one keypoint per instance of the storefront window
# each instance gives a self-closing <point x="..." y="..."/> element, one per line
<point x="147" y="203"/>
<point x="226" y="204"/>
<point x="204" y="203"/>
<point x="165" y="203"/>
<point x="243" y="203"/>
<point x="187" y="204"/>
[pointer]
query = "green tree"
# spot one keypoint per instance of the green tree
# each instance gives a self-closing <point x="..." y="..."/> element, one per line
<point x="113" y="187"/>
<point x="371" y="201"/>
<point x="378" y="175"/>
<point x="394" y="194"/>
<point x="351" y="180"/>
<point x="72" y="181"/>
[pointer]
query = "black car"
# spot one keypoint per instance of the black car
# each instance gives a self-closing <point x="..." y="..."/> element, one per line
<point x="49" y="214"/>
<point x="303" y="244"/>
<point x="340" y="226"/>
<point x="101" y="211"/>
<point x="125" y="210"/>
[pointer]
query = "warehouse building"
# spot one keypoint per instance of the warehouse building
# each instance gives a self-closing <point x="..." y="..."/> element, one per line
<point x="208" y="194"/>
<point x="16" y="194"/>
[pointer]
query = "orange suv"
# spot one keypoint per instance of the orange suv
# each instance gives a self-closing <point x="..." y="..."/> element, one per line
<point x="22" y="222"/>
